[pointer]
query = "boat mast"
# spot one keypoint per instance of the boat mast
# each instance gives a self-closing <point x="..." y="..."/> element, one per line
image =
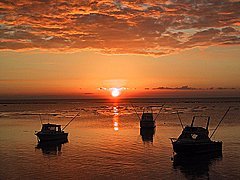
<point x="70" y="121"/>
<point x="180" y="120"/>
<point x="220" y="121"/>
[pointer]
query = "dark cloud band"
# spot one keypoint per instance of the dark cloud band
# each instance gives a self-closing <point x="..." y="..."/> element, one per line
<point x="118" y="27"/>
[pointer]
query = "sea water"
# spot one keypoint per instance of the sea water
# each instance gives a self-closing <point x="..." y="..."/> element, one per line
<point x="105" y="141"/>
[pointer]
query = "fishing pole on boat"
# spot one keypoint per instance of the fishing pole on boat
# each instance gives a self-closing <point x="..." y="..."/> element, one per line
<point x="70" y="121"/>
<point x="159" y="112"/>
<point x="40" y="118"/>
<point x="220" y="121"/>
<point x="136" y="112"/>
<point x="180" y="119"/>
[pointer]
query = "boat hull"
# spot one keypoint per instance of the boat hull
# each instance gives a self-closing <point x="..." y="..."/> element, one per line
<point x="147" y="124"/>
<point x="197" y="148"/>
<point x="43" y="137"/>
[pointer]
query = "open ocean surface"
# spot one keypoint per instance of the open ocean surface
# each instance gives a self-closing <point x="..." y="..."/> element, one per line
<point x="105" y="142"/>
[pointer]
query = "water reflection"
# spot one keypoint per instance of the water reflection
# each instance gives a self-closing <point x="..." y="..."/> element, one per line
<point x="147" y="134"/>
<point x="51" y="148"/>
<point x="195" y="166"/>
<point x="115" y="118"/>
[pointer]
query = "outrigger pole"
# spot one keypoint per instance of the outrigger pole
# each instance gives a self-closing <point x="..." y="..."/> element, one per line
<point x="220" y="121"/>
<point x="180" y="120"/>
<point x="136" y="112"/>
<point x="159" y="112"/>
<point x="70" y="121"/>
<point x="40" y="118"/>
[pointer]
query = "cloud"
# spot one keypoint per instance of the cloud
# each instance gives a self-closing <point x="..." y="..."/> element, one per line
<point x="176" y="88"/>
<point x="118" y="27"/>
<point x="112" y="88"/>
<point x="223" y="88"/>
<point x="192" y="88"/>
<point x="88" y="93"/>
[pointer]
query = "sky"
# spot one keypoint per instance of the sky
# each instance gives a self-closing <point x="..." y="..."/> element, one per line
<point x="144" y="48"/>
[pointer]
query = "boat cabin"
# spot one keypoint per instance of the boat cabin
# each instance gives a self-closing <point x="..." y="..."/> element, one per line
<point x="51" y="128"/>
<point x="147" y="116"/>
<point x="147" y="120"/>
<point x="195" y="133"/>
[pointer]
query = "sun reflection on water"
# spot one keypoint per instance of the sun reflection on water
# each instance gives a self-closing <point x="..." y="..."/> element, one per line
<point x="115" y="126"/>
<point x="115" y="118"/>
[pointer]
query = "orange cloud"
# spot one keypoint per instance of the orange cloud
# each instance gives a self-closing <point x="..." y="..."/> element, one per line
<point x="118" y="26"/>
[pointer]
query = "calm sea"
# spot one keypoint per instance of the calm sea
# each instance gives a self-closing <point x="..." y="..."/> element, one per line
<point x="105" y="141"/>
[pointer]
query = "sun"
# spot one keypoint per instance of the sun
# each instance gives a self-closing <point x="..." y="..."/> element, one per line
<point x="115" y="92"/>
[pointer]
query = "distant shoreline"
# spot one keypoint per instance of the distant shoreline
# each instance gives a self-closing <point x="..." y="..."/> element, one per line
<point x="125" y="100"/>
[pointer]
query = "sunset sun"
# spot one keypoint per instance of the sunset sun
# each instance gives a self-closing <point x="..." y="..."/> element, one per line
<point x="115" y="92"/>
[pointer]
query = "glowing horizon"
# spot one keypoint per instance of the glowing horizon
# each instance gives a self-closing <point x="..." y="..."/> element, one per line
<point x="153" y="49"/>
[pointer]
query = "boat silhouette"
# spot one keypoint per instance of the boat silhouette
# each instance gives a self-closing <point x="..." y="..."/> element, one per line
<point x="196" y="140"/>
<point x="147" y="120"/>
<point x="53" y="132"/>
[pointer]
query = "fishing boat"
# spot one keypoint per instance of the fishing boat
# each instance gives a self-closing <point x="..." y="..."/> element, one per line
<point x="147" y="120"/>
<point x="53" y="132"/>
<point x="196" y="140"/>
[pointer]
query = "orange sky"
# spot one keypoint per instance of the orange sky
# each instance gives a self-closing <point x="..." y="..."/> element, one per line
<point x="82" y="74"/>
<point x="164" y="49"/>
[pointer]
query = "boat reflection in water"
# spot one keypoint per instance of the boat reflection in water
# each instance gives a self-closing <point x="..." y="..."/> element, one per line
<point x="147" y="134"/>
<point x="196" y="166"/>
<point x="51" y="147"/>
